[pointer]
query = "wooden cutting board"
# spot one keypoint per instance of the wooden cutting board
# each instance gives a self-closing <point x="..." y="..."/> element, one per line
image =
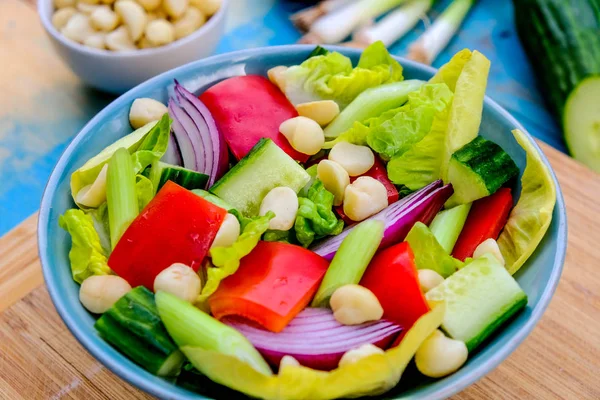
<point x="40" y="359"/>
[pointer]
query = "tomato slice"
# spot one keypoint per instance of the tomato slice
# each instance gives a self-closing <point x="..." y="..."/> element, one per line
<point x="176" y="226"/>
<point x="392" y="277"/>
<point x="248" y="108"/>
<point x="272" y="285"/>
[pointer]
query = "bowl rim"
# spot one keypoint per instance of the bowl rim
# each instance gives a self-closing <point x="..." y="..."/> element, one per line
<point x="46" y="19"/>
<point x="133" y="377"/>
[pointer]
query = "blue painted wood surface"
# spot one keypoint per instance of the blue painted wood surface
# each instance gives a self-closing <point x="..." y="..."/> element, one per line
<point x="31" y="142"/>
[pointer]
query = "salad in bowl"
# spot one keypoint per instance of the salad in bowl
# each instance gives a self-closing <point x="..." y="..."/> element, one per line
<point x="308" y="232"/>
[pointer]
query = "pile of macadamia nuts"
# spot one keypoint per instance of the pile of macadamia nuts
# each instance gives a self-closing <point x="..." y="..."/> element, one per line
<point x="123" y="25"/>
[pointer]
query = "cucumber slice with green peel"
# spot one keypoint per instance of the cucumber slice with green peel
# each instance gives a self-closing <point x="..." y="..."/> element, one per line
<point x="160" y="172"/>
<point x="133" y="326"/>
<point x="479" y="298"/>
<point x="265" y="167"/>
<point x="582" y="122"/>
<point x="477" y="170"/>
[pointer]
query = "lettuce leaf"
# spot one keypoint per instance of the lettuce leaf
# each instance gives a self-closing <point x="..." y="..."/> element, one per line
<point x="529" y="220"/>
<point x="422" y="163"/>
<point x="371" y="375"/>
<point x="87" y="256"/>
<point x="396" y="131"/>
<point x="331" y="76"/>
<point x="467" y="105"/>
<point x="146" y="145"/>
<point x="315" y="216"/>
<point x="429" y="254"/>
<point x="144" y="189"/>
<point x="226" y="260"/>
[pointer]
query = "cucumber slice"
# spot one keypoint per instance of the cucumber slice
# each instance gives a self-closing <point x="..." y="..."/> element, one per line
<point x="582" y="122"/>
<point x="265" y="167"/>
<point x="479" y="298"/>
<point x="160" y="172"/>
<point x="479" y="169"/>
<point x="134" y="327"/>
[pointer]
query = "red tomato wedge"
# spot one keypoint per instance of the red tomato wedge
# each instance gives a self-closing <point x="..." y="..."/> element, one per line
<point x="379" y="172"/>
<point x="272" y="285"/>
<point x="176" y="226"/>
<point x="248" y="108"/>
<point x="392" y="277"/>
<point x="486" y="220"/>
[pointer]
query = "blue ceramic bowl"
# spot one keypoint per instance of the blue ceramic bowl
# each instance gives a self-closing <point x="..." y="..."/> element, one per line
<point x="538" y="277"/>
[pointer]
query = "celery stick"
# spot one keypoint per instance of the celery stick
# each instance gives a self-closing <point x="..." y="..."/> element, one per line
<point x="371" y="103"/>
<point x="188" y="326"/>
<point x="120" y="194"/>
<point x="447" y="225"/>
<point x="351" y="259"/>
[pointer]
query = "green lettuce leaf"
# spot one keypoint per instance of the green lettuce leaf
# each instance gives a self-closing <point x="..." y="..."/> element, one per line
<point x="100" y="218"/>
<point x="530" y="218"/>
<point x="369" y="376"/>
<point x="331" y="76"/>
<point x="144" y="189"/>
<point x="87" y="256"/>
<point x="273" y="235"/>
<point x="422" y="163"/>
<point x="450" y="71"/>
<point x="146" y="144"/>
<point x="429" y="254"/>
<point x="315" y="216"/>
<point x="396" y="131"/>
<point x="226" y="260"/>
<point x="465" y="113"/>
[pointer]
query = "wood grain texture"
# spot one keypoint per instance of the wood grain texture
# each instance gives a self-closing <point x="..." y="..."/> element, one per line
<point x="40" y="359"/>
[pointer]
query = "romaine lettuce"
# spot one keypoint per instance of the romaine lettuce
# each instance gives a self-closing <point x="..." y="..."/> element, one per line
<point x="146" y="144"/>
<point x="331" y="76"/>
<point x="429" y="254"/>
<point x="315" y="216"/>
<point x="87" y="256"/>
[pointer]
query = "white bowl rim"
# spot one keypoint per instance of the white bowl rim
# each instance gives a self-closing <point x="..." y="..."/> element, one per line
<point x="46" y="19"/>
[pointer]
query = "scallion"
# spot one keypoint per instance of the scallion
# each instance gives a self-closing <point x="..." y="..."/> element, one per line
<point x="438" y="35"/>
<point x="121" y="198"/>
<point x="304" y="19"/>
<point x="339" y="24"/>
<point x="448" y="224"/>
<point x="351" y="259"/>
<point x="395" y="25"/>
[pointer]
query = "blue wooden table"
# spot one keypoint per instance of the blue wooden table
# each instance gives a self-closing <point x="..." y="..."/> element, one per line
<point x="42" y="105"/>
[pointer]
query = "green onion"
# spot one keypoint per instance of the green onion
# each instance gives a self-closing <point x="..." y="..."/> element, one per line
<point x="447" y="225"/>
<point x="188" y="326"/>
<point x="395" y="25"/>
<point x="304" y="19"/>
<point x="351" y="259"/>
<point x="371" y="103"/>
<point x="339" y="24"/>
<point x="120" y="194"/>
<point x="438" y="35"/>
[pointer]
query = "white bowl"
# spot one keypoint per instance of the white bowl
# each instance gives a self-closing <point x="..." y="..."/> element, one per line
<point x="117" y="72"/>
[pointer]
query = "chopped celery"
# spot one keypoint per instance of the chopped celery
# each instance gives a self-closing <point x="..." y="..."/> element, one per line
<point x="190" y="327"/>
<point x="371" y="103"/>
<point x="351" y="259"/>
<point x="121" y="195"/>
<point x="447" y="225"/>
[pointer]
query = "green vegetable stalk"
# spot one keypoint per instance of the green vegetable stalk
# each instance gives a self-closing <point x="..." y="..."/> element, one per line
<point x="191" y="328"/>
<point x="121" y="195"/>
<point x="448" y="224"/>
<point x="351" y="260"/>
